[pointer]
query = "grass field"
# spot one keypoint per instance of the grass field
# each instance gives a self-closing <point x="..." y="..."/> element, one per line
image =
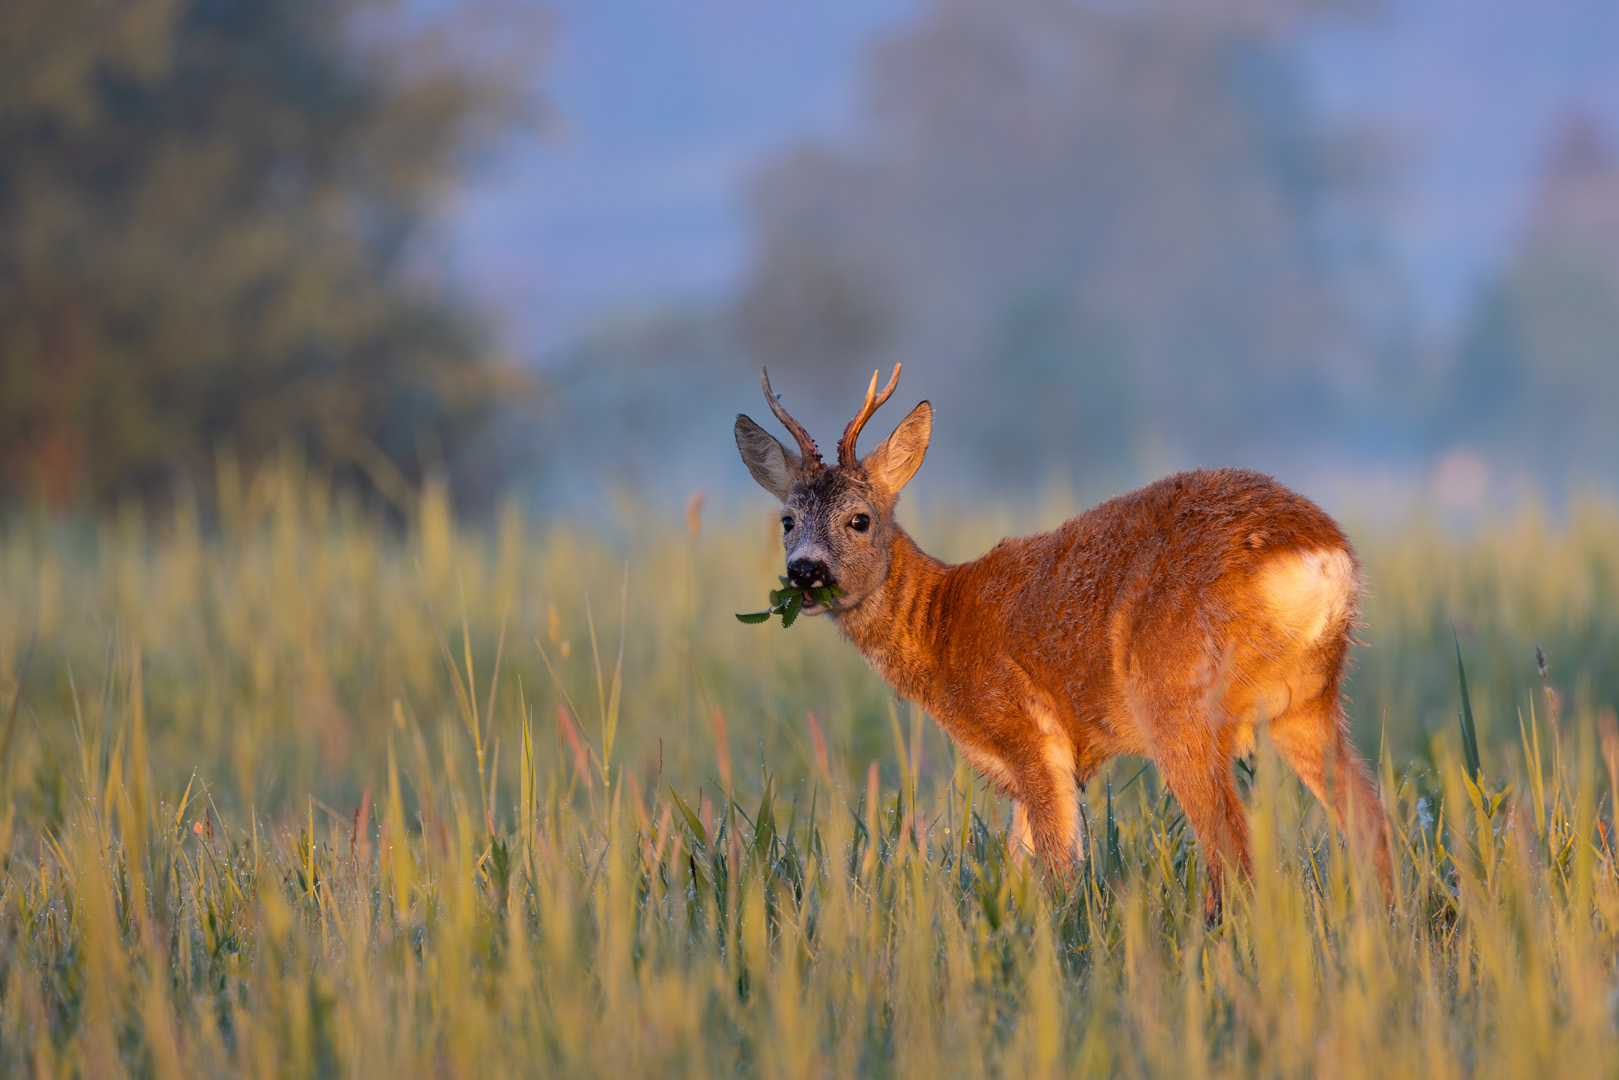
<point x="307" y="794"/>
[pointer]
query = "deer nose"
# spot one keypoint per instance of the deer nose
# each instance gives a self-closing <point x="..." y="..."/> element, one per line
<point x="808" y="574"/>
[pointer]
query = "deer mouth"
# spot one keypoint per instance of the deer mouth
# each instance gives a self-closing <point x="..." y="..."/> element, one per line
<point x="811" y="606"/>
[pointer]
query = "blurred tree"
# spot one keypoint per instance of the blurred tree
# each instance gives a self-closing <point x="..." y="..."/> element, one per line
<point x="210" y="215"/>
<point x="641" y="406"/>
<point x="1116" y="228"/>
<point x="1537" y="371"/>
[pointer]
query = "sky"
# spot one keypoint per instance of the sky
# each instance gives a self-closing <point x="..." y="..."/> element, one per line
<point x="664" y="107"/>
<point x="635" y="199"/>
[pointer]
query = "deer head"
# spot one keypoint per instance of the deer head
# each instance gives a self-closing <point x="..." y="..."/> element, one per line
<point x="837" y="524"/>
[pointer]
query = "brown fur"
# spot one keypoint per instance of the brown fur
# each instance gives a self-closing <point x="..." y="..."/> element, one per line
<point x="1168" y="623"/>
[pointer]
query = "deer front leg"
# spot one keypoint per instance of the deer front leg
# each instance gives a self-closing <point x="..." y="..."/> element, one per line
<point x="1020" y="841"/>
<point x="1040" y="779"/>
<point x="1045" y="810"/>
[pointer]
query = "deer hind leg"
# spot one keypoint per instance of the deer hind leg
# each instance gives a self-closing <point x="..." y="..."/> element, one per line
<point x="1310" y="737"/>
<point x="1207" y="792"/>
<point x="1193" y="757"/>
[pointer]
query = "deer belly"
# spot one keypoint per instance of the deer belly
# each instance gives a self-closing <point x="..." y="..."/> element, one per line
<point x="1041" y="745"/>
<point x="990" y="765"/>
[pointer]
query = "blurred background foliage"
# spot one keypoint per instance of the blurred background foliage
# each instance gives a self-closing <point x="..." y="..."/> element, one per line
<point x="210" y="216"/>
<point x="1107" y="241"/>
<point x="1538" y="367"/>
<point x="1101" y="223"/>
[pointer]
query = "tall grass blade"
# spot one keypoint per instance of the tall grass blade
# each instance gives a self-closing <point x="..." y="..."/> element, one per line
<point x="1475" y="770"/>
<point x="16" y="701"/>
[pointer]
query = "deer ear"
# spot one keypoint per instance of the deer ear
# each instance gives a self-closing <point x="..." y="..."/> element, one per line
<point x="897" y="457"/>
<point x="772" y="464"/>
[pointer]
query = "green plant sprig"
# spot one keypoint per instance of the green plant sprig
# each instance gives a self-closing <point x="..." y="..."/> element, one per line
<point x="788" y="601"/>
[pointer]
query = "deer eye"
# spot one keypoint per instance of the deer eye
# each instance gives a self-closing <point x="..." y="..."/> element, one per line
<point x="860" y="523"/>
<point x="786" y="524"/>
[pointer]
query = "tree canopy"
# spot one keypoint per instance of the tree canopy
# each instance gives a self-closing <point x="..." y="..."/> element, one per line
<point x="211" y="222"/>
<point x="1100" y="218"/>
<point x="1536" y="374"/>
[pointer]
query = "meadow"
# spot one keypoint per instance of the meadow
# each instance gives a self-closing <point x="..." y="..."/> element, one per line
<point x="305" y="790"/>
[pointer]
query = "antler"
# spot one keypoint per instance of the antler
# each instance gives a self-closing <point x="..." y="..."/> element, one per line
<point x="806" y="445"/>
<point x="847" y="458"/>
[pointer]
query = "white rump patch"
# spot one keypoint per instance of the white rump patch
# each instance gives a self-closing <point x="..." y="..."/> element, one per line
<point x="1309" y="591"/>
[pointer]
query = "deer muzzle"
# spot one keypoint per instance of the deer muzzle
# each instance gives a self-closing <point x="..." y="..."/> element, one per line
<point x="808" y="574"/>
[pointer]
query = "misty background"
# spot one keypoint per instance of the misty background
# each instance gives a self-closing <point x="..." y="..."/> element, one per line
<point x="1372" y="247"/>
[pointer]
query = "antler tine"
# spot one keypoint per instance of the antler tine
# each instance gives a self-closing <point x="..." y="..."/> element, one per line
<point x="806" y="445"/>
<point x="847" y="459"/>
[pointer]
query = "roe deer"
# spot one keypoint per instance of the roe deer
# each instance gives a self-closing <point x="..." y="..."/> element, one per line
<point x="1166" y="623"/>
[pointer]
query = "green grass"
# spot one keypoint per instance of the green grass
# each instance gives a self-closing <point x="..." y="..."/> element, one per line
<point x="313" y="797"/>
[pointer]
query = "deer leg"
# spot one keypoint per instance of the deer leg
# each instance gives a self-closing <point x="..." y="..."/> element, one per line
<point x="1183" y="739"/>
<point x="1310" y="738"/>
<point x="1045" y="815"/>
<point x="1020" y="842"/>
<point x="1207" y="793"/>
<point x="1187" y="750"/>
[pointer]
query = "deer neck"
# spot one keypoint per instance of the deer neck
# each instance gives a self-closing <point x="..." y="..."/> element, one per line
<point x="894" y="627"/>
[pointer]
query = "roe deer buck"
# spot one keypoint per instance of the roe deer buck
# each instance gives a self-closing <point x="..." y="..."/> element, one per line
<point x="1166" y="623"/>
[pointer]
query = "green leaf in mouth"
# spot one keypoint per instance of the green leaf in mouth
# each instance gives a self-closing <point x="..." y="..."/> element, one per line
<point x="790" y="610"/>
<point x="788" y="602"/>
